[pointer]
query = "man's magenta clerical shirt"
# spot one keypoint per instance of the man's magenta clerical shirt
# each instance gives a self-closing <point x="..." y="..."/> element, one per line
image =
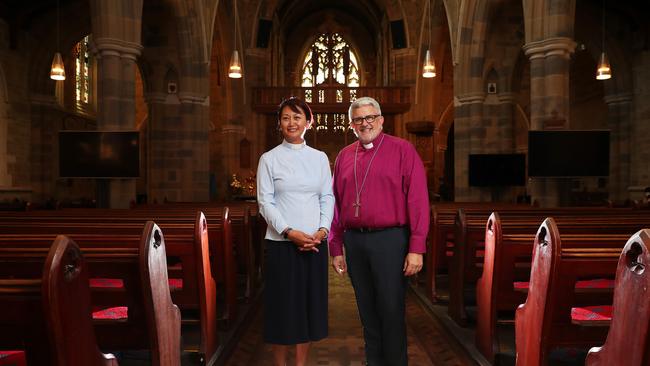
<point x="394" y="193"/>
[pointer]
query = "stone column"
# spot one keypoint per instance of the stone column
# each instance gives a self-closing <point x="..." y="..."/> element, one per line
<point x="549" y="103"/>
<point x="116" y="29"/>
<point x="505" y="122"/>
<point x="618" y="119"/>
<point x="469" y="133"/>
<point x="232" y="134"/>
<point x="195" y="116"/>
<point x="423" y="133"/>
<point x="116" y="108"/>
<point x="640" y="128"/>
<point x="43" y="129"/>
<point x="5" y="159"/>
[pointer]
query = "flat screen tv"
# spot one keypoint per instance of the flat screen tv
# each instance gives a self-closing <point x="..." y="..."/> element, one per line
<point x="99" y="154"/>
<point x="568" y="153"/>
<point x="494" y="170"/>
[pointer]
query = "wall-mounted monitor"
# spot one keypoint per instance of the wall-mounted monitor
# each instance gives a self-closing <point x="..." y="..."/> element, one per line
<point x="99" y="154"/>
<point x="495" y="170"/>
<point x="568" y="153"/>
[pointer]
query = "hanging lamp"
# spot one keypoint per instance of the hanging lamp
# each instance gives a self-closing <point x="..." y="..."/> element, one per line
<point x="604" y="70"/>
<point x="235" y="70"/>
<point x="57" y="70"/>
<point x="429" y="67"/>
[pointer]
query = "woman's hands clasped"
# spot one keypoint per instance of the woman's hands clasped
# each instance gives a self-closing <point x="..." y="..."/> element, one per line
<point x="306" y="242"/>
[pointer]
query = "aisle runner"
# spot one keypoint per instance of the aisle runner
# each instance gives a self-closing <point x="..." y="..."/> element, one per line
<point x="427" y="341"/>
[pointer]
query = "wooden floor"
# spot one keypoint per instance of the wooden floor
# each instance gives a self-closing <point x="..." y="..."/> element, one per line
<point x="428" y="341"/>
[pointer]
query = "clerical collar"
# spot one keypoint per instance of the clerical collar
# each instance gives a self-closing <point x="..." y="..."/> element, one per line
<point x="370" y="145"/>
<point x="294" y="146"/>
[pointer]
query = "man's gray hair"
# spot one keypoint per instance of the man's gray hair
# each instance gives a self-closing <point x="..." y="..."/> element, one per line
<point x="362" y="102"/>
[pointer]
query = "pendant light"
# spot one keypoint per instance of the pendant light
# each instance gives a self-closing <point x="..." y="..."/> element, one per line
<point x="235" y="70"/>
<point x="57" y="71"/>
<point x="604" y="70"/>
<point x="429" y="68"/>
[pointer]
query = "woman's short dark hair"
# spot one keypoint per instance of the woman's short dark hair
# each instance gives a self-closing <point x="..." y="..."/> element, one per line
<point x="297" y="105"/>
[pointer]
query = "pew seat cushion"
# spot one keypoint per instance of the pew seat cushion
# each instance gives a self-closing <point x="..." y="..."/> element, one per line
<point x="106" y="283"/>
<point x="12" y="358"/>
<point x="175" y="284"/>
<point x="114" y="313"/>
<point x="592" y="315"/>
<point x="597" y="284"/>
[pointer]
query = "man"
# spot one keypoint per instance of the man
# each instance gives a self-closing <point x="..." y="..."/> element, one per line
<point x="381" y="217"/>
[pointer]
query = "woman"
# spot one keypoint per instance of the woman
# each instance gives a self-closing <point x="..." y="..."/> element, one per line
<point x="294" y="193"/>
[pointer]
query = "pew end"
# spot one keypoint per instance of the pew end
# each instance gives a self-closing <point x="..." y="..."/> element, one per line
<point x="628" y="339"/>
<point x="529" y="316"/>
<point x="164" y="318"/>
<point x="66" y="304"/>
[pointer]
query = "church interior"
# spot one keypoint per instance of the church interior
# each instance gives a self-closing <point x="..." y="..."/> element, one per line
<point x="134" y="125"/>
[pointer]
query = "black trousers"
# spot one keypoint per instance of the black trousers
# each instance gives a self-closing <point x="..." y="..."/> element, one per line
<point x="375" y="261"/>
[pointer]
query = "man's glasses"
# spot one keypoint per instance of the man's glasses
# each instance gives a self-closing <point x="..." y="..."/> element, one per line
<point x="369" y="118"/>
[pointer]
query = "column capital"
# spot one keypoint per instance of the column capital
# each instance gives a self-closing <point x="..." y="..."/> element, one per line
<point x="556" y="46"/>
<point x="469" y="98"/>
<point x="194" y="98"/>
<point x="620" y="98"/>
<point x="234" y="129"/>
<point x="106" y="46"/>
<point x="155" y="97"/>
<point x="507" y="97"/>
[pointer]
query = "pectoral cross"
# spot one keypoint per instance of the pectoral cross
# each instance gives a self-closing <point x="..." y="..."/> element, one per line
<point x="356" y="206"/>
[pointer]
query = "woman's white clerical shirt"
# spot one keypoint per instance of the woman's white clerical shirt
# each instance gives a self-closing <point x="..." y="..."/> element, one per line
<point x="294" y="189"/>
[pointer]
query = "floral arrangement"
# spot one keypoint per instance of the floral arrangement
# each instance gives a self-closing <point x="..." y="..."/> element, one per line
<point x="247" y="186"/>
<point x="235" y="184"/>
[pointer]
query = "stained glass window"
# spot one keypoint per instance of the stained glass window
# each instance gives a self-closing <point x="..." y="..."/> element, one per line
<point x="331" y="61"/>
<point x="83" y="73"/>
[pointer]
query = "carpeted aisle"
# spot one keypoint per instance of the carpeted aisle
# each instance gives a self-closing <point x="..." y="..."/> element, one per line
<point x="428" y="342"/>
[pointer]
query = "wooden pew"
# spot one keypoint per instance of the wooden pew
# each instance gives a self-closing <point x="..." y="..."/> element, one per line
<point x="545" y="320"/>
<point x="441" y="237"/>
<point x="198" y="291"/>
<point x="173" y="222"/>
<point x="52" y="314"/>
<point x="470" y="234"/>
<point x="153" y="320"/>
<point x="507" y="260"/>
<point x="247" y="232"/>
<point x="628" y="339"/>
<point x="173" y="218"/>
<point x="67" y="308"/>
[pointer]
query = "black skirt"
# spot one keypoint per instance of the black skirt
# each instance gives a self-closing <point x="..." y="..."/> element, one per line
<point x="295" y="294"/>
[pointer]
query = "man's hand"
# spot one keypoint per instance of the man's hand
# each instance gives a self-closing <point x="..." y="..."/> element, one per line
<point x="303" y="241"/>
<point x="338" y="262"/>
<point x="412" y="264"/>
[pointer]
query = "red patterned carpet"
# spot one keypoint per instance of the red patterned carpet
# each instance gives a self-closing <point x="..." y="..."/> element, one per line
<point x="428" y="342"/>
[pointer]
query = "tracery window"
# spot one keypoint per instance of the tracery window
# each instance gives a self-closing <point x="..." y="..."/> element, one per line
<point x="331" y="61"/>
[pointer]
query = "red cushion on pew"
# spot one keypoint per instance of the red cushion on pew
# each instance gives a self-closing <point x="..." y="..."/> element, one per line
<point x="592" y="313"/>
<point x="12" y="358"/>
<point x="175" y="284"/>
<point x="588" y="284"/>
<point x="106" y="282"/>
<point x="116" y="313"/>
<point x="597" y="284"/>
